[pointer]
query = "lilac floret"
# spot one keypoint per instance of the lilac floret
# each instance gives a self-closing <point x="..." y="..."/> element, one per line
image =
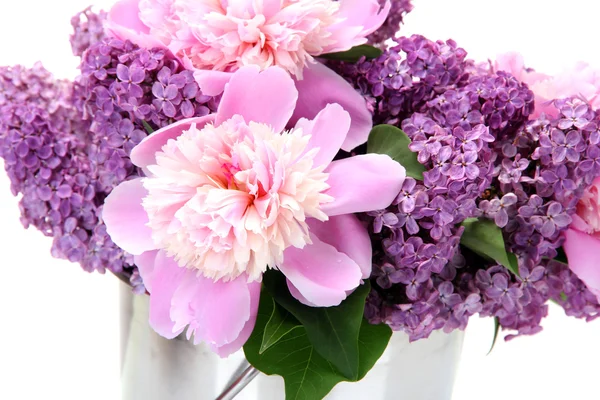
<point x="66" y="145"/>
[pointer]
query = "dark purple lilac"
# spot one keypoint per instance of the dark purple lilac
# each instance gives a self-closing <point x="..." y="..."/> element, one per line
<point x="469" y="126"/>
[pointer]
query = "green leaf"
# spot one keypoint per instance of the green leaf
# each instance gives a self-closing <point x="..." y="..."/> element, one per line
<point x="333" y="331"/>
<point x="372" y="342"/>
<point x="561" y="257"/>
<point x="485" y="238"/>
<point x="387" y="139"/>
<point x="147" y="127"/>
<point x="496" y="332"/>
<point x="306" y="373"/>
<point x="563" y="296"/>
<point x="354" y="54"/>
<point x="280" y="324"/>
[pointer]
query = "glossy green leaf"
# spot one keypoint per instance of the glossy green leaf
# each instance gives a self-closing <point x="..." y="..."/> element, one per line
<point x="372" y="342"/>
<point x="333" y="331"/>
<point x="485" y="238"/>
<point x="280" y="323"/>
<point x="388" y="139"/>
<point x="355" y="53"/>
<point x="148" y="128"/>
<point x="307" y="374"/>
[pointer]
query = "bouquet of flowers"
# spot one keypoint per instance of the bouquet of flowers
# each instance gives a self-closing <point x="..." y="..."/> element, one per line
<point x="296" y="180"/>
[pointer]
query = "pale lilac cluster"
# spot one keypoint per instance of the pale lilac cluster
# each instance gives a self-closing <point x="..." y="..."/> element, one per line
<point x="391" y="26"/>
<point x="468" y="122"/>
<point x="44" y="146"/>
<point x="127" y="91"/>
<point x="66" y="146"/>
<point x="542" y="171"/>
<point x="407" y="76"/>
<point x="88" y="29"/>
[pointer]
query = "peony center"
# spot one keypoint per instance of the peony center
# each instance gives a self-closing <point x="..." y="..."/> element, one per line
<point x="229" y="200"/>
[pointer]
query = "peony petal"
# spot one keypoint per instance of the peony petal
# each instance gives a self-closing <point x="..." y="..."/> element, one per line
<point x="230" y="348"/>
<point x="268" y="97"/>
<point x="320" y="86"/>
<point x="296" y="293"/>
<point x="126" y="219"/>
<point x="217" y="312"/>
<point x="511" y="62"/>
<point x="322" y="275"/>
<point x="166" y="278"/>
<point x="359" y="18"/>
<point x="123" y="22"/>
<point x="581" y="250"/>
<point x="362" y="183"/>
<point x="212" y="83"/>
<point x="145" y="263"/>
<point x="144" y="153"/>
<point x="579" y="224"/>
<point x="348" y="235"/>
<point x="328" y="131"/>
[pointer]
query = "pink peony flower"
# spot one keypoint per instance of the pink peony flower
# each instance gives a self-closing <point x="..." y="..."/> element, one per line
<point x="216" y="37"/>
<point x="580" y="80"/>
<point x="582" y="239"/>
<point x="228" y="195"/>
<point x="224" y="35"/>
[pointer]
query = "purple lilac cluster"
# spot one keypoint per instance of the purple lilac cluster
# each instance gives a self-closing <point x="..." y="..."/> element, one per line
<point x="126" y="91"/>
<point x="391" y="26"/>
<point x="423" y="231"/>
<point x="407" y="76"/>
<point x="469" y="126"/>
<point x="66" y="146"/>
<point x="88" y="29"/>
<point x="43" y="144"/>
<point x="542" y="171"/>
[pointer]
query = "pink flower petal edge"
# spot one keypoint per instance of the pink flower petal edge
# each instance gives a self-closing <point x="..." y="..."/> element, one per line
<point x="145" y="263"/>
<point x="321" y="273"/>
<point x="582" y="253"/>
<point x="221" y="314"/>
<point x="328" y="131"/>
<point x="211" y="83"/>
<point x="123" y="22"/>
<point x="144" y="153"/>
<point x="164" y="280"/>
<point x="126" y="219"/>
<point x="363" y="183"/>
<point x="321" y="86"/>
<point x="360" y="19"/>
<point x="581" y="79"/>
<point x="268" y="97"/>
<point x="349" y="236"/>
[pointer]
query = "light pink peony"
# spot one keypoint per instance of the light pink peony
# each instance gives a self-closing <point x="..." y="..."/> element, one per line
<point x="582" y="239"/>
<point x="580" y="80"/>
<point x="216" y="37"/>
<point x="227" y="195"/>
<point x="224" y="35"/>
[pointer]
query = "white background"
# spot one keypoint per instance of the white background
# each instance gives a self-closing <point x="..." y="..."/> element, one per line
<point x="59" y="333"/>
